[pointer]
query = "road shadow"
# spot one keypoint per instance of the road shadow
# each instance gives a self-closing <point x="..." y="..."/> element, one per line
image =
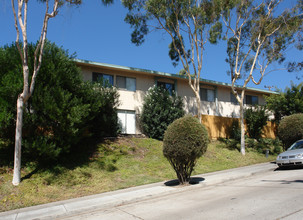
<point x="286" y="168"/>
<point x="283" y="181"/>
<point x="289" y="168"/>
<point x="193" y="181"/>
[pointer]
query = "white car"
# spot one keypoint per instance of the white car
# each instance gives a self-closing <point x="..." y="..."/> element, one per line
<point x="293" y="156"/>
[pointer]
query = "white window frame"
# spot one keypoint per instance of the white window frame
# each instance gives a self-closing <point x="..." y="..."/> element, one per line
<point x="127" y="120"/>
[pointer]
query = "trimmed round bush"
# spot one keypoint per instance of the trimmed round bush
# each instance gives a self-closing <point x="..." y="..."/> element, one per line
<point x="185" y="140"/>
<point x="291" y="129"/>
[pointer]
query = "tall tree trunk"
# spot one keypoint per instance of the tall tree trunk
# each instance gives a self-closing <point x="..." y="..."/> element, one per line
<point x="18" y="141"/>
<point x="21" y="19"/>
<point x="199" y="108"/>
<point x="242" y="128"/>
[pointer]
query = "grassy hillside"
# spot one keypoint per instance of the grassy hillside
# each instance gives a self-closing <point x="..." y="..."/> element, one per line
<point x="115" y="164"/>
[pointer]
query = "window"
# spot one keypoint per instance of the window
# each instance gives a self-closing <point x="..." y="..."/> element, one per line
<point x="207" y="95"/>
<point x="126" y="83"/>
<point x="170" y="87"/>
<point x="251" y="100"/>
<point x="105" y="79"/>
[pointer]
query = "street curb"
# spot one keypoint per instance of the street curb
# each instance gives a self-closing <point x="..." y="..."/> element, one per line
<point x="73" y="207"/>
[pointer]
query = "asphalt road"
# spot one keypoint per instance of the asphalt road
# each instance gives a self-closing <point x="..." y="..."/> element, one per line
<point x="269" y="195"/>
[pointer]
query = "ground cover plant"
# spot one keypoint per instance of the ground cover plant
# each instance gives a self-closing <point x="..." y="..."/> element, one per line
<point x="106" y="166"/>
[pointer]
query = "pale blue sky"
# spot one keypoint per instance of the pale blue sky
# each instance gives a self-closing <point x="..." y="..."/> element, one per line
<point x="98" y="33"/>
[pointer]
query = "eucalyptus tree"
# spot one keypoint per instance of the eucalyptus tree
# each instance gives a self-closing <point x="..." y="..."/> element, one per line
<point x="286" y="103"/>
<point x="296" y="65"/>
<point x="257" y="35"/>
<point x="190" y="25"/>
<point x="20" y="12"/>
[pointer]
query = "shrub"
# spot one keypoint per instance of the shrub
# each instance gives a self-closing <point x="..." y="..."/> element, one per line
<point x="256" y="118"/>
<point x="62" y="110"/>
<point x="263" y="144"/>
<point x="235" y="130"/>
<point x="291" y="129"/>
<point x="104" y="120"/>
<point x="185" y="140"/>
<point x="250" y="142"/>
<point x="159" y="110"/>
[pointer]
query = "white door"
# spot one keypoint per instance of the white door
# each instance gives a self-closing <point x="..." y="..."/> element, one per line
<point x="127" y="120"/>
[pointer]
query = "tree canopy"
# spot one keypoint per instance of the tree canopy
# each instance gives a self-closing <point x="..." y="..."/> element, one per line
<point x="189" y="25"/>
<point x="286" y="103"/>
<point x="257" y="35"/>
<point x="20" y="12"/>
<point x="63" y="110"/>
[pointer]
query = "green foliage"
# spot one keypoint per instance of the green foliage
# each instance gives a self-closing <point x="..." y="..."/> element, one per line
<point x="10" y="86"/>
<point x="62" y="110"/>
<point x="231" y="144"/>
<point x="178" y="19"/>
<point x="256" y="118"/>
<point x="159" y="110"/>
<point x="215" y="32"/>
<point x="189" y="25"/>
<point x="78" y="2"/>
<point x="185" y="140"/>
<point x="274" y="146"/>
<point x="251" y="142"/>
<point x="234" y="130"/>
<point x="257" y="31"/>
<point x="105" y="103"/>
<point x="291" y="129"/>
<point x="263" y="145"/>
<point x="287" y="103"/>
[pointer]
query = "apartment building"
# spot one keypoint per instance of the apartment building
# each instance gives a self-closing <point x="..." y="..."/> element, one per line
<point x="133" y="83"/>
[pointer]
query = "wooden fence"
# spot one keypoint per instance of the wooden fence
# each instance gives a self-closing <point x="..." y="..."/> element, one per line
<point x="220" y="127"/>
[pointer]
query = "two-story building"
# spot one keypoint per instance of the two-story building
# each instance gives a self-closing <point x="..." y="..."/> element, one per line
<point x="133" y="83"/>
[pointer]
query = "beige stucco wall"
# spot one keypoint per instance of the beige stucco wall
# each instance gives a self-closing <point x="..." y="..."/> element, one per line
<point x="221" y="107"/>
<point x="133" y="101"/>
<point x="129" y="100"/>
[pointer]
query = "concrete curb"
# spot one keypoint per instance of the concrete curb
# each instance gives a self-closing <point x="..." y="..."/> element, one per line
<point x="72" y="207"/>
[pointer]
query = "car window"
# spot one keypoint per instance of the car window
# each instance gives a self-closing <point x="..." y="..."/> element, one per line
<point x="297" y="145"/>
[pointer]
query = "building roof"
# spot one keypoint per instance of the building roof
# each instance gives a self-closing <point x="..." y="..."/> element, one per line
<point x="157" y="73"/>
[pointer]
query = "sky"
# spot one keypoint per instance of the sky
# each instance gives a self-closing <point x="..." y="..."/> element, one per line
<point x="98" y="33"/>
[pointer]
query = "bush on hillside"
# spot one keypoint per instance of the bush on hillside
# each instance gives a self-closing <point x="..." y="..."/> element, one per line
<point x="159" y="110"/>
<point x="185" y="140"/>
<point x="62" y="110"/>
<point x="235" y="130"/>
<point x="291" y="129"/>
<point x="256" y="118"/>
